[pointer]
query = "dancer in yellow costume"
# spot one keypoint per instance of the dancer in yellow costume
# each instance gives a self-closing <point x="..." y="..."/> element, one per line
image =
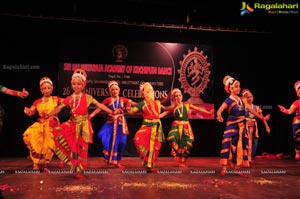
<point x="38" y="137"/>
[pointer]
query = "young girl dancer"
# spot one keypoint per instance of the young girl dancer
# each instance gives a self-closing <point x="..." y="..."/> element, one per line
<point x="251" y="124"/>
<point x="39" y="136"/>
<point x="295" y="108"/>
<point x="113" y="134"/>
<point x="72" y="137"/>
<point x="235" y="138"/>
<point x="181" y="136"/>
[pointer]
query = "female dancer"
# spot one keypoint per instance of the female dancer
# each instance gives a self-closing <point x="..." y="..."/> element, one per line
<point x="181" y="136"/>
<point x="72" y="137"/>
<point x="235" y="138"/>
<point x="295" y="108"/>
<point x="113" y="134"/>
<point x="251" y="124"/>
<point x="150" y="135"/>
<point x="39" y="137"/>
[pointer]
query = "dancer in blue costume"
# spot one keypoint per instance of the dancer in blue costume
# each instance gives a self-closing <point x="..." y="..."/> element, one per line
<point x="235" y="137"/>
<point x="113" y="134"/>
<point x="251" y="124"/>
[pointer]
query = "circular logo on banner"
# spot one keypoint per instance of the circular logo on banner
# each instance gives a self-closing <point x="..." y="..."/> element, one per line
<point x="194" y="74"/>
<point x="119" y="52"/>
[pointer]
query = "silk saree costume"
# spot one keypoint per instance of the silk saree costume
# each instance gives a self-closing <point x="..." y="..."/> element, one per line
<point x="150" y="135"/>
<point x="39" y="137"/>
<point x="72" y="137"/>
<point x="180" y="136"/>
<point x="235" y="136"/>
<point x="113" y="134"/>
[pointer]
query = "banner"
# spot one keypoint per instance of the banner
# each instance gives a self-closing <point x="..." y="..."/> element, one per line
<point x="165" y="65"/>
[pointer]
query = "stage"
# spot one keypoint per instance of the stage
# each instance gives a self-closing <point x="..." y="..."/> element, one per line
<point x="269" y="178"/>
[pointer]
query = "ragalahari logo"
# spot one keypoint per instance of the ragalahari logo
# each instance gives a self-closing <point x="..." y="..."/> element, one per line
<point x="246" y="9"/>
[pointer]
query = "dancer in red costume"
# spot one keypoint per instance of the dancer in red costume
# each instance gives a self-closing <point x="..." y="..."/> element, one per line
<point x="72" y="137"/>
<point x="150" y="135"/>
<point x="295" y="108"/>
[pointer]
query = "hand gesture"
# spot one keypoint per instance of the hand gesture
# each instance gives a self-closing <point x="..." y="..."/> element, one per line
<point x="27" y="111"/>
<point x="220" y="118"/>
<point x="24" y="93"/>
<point x="267" y="117"/>
<point x="282" y="109"/>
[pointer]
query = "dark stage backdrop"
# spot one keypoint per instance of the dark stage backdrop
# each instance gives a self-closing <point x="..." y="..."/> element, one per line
<point x="263" y="62"/>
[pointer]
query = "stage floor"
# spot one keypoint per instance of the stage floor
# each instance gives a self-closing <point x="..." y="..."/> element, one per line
<point x="270" y="178"/>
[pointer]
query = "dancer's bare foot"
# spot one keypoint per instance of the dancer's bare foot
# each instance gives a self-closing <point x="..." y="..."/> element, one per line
<point x="223" y="171"/>
<point x="121" y="166"/>
<point x="297" y="156"/>
<point x="151" y="170"/>
<point x="183" y="165"/>
<point x="80" y="176"/>
<point x="61" y="164"/>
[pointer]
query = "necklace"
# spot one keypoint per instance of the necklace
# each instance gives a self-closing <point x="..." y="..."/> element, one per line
<point x="117" y="104"/>
<point x="152" y="111"/>
<point x="146" y="104"/>
<point x="238" y="102"/>
<point x="75" y="106"/>
<point x="45" y="104"/>
<point x="180" y="113"/>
